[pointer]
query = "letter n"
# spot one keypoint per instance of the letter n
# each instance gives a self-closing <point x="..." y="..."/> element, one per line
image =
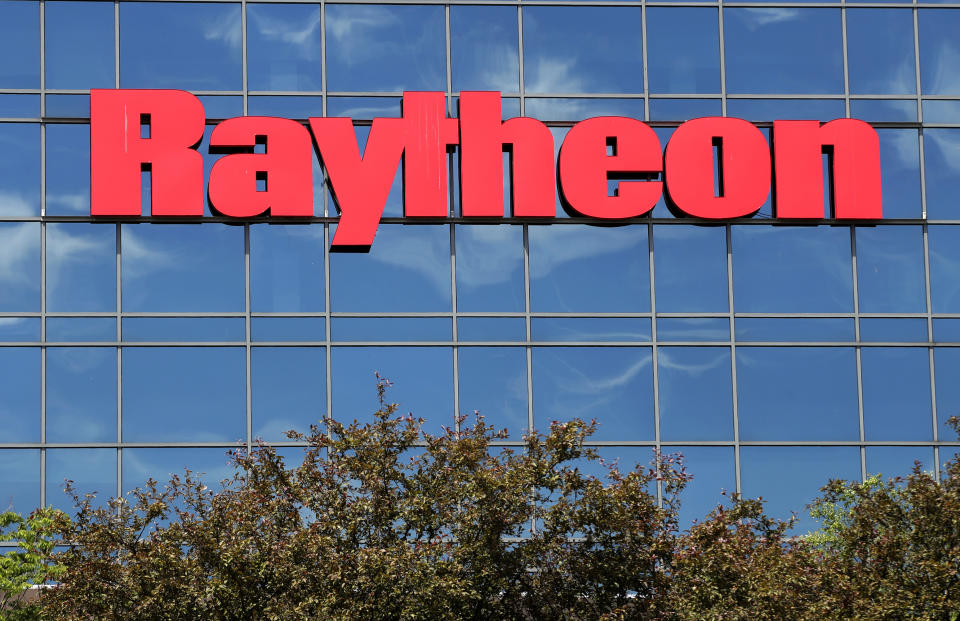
<point x="854" y="150"/>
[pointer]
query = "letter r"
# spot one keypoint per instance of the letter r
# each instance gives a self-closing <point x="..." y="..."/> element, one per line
<point x="119" y="152"/>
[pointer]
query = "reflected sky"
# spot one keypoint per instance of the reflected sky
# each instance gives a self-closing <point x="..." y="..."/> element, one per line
<point x="79" y="40"/>
<point x="288" y="390"/>
<point x="493" y="381"/>
<point x="19" y="169"/>
<point x="939" y="51"/>
<point x="20" y="406"/>
<point x="683" y="50"/>
<point x="283" y="47"/>
<point x="20" y="39"/>
<point x="880" y="51"/>
<point x="484" y="45"/>
<point x="696" y="399"/>
<point x="20" y="484"/>
<point x="489" y="268"/>
<point x="81" y="394"/>
<point x="20" y="266"/>
<point x="896" y="393"/>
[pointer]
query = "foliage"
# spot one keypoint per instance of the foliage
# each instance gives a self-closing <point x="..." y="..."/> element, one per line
<point x="383" y="521"/>
<point x="28" y="563"/>
<point x="896" y="544"/>
<point x="372" y="525"/>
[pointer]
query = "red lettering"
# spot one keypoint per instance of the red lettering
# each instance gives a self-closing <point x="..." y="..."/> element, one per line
<point x="427" y="133"/>
<point x="360" y="185"/>
<point x="854" y="150"/>
<point x="483" y="140"/>
<point x="119" y="152"/>
<point x="586" y="167"/>
<point x="284" y="168"/>
<point x="744" y="168"/>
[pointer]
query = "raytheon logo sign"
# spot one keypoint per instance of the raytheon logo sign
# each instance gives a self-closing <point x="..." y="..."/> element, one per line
<point x="160" y="130"/>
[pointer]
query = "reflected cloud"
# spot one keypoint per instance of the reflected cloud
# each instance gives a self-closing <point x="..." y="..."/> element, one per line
<point x="555" y="75"/>
<point x="16" y="204"/>
<point x="287" y="31"/>
<point x="563" y="244"/>
<point x="946" y="77"/>
<point x="354" y="28"/>
<point x="665" y="360"/>
<point x="428" y="255"/>
<point x="19" y="254"/>
<point x="225" y="28"/>
<point x="486" y="255"/>
<point x="72" y="202"/>
<point x="142" y="256"/>
<point x="947" y="144"/>
<point x="758" y="18"/>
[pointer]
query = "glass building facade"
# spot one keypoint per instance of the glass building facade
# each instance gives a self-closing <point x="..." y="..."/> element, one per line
<point x="773" y="357"/>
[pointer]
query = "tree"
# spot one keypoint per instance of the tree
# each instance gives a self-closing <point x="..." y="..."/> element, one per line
<point x="896" y="544"/>
<point x="28" y="564"/>
<point x="382" y="521"/>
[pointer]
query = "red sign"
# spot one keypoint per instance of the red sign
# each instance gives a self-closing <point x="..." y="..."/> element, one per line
<point x="159" y="130"/>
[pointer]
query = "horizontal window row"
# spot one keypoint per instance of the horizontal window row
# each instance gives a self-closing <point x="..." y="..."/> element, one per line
<point x="372" y="47"/>
<point x="477" y="329"/>
<point x="187" y="394"/>
<point x="572" y="268"/>
<point x="786" y="477"/>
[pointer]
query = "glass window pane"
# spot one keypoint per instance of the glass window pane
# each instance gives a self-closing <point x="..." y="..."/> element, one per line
<point x="68" y="170"/>
<point x="797" y="393"/>
<point x="483" y="48"/>
<point x="713" y="472"/>
<point x="939" y="50"/>
<point x="288" y="329"/>
<point x="92" y="471"/>
<point x="289" y="390"/>
<point x="944" y="268"/>
<point x="81" y="394"/>
<point x="19" y="169"/>
<point x="583" y="50"/>
<point x="611" y="384"/>
<point x="896" y="393"/>
<point x="288" y="106"/>
<point x="683" y="109"/>
<point x="683" y="50"/>
<point x="81" y="267"/>
<point x="898" y="461"/>
<point x="577" y="109"/>
<point x="171" y="329"/>
<point x="775" y="50"/>
<point x="490" y="268"/>
<point x="286" y="268"/>
<point x="773" y="109"/>
<point x="889" y="330"/>
<point x="20" y="39"/>
<point x="207" y="404"/>
<point x="20" y="406"/>
<point x="19" y="329"/>
<point x="409" y="329"/>
<point x="493" y="381"/>
<point x="394" y="204"/>
<point x="790" y="477"/>
<point x="941" y="111"/>
<point x="79" y="41"/>
<point x="221" y="106"/>
<point x="19" y="106"/>
<point x="946" y="330"/>
<point x="20" y="266"/>
<point x="946" y="364"/>
<point x="385" y="48"/>
<point x="284" y="47"/>
<point x="182" y="267"/>
<point x="890" y="269"/>
<point x="690" y="264"/>
<point x="20" y="483"/>
<point x="880" y="51"/>
<point x="941" y="152"/>
<point x="792" y="269"/>
<point x="422" y="383"/>
<point x="590" y="329"/>
<point x="491" y="329"/>
<point x="579" y="268"/>
<point x="900" y="162"/>
<point x="693" y="329"/>
<point x="81" y="329"/>
<point x="69" y="106"/>
<point x="407" y="269"/>
<point x="193" y="46"/>
<point x="794" y="329"/>
<point x="696" y="394"/>
<point x="212" y="465"/>
<point x="884" y="110"/>
<point x="363" y="108"/>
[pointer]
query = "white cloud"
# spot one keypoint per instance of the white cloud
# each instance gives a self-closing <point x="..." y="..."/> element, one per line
<point x="226" y="28"/>
<point x="15" y="204"/>
<point x="19" y="253"/>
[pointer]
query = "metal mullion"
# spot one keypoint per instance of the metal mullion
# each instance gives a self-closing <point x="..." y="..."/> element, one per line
<point x="243" y="53"/>
<point x="328" y="323"/>
<point x="857" y="349"/>
<point x="526" y="306"/>
<point x="247" y="330"/>
<point x="723" y="112"/>
<point x="119" y="303"/>
<point x="323" y="92"/>
<point x="453" y="249"/>
<point x="43" y="259"/>
<point x="654" y="357"/>
<point x="520" y="62"/>
<point x="733" y="360"/>
<point x="846" y="65"/>
<point x="645" y="65"/>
